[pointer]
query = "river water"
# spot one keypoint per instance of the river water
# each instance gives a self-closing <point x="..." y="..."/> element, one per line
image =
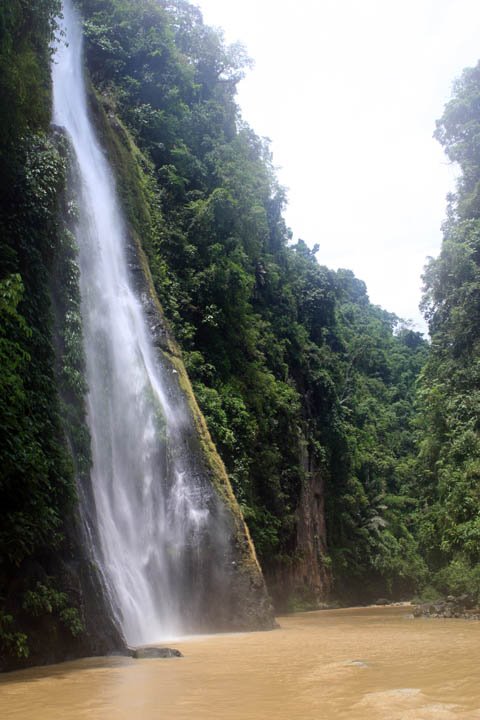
<point x="375" y="663"/>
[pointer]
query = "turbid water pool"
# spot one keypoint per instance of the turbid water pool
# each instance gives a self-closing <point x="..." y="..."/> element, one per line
<point x="375" y="663"/>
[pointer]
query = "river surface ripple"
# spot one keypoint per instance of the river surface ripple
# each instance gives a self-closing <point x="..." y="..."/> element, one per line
<point x="375" y="663"/>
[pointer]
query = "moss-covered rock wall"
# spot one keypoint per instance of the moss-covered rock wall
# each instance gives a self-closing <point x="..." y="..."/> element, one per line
<point x="231" y="595"/>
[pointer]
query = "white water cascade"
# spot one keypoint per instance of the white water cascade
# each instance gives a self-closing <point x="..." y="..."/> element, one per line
<point x="150" y="516"/>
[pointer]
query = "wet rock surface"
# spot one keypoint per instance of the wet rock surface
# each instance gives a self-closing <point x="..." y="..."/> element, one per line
<point x="463" y="606"/>
<point x="154" y="652"/>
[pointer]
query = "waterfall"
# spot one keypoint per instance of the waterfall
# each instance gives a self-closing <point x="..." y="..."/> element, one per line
<point x="151" y="513"/>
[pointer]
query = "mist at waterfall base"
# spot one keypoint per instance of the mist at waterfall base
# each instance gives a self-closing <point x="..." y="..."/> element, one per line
<point x="153" y="519"/>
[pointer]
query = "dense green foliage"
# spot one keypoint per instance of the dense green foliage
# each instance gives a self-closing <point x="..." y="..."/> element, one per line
<point x="295" y="371"/>
<point x="36" y="478"/>
<point x="449" y="524"/>
<point x="371" y="524"/>
<point x="26" y="30"/>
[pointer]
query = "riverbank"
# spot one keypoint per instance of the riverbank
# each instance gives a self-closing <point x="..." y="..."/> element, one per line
<point x="463" y="606"/>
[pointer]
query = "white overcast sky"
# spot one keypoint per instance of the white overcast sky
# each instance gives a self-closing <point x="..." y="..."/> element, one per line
<point x="348" y="91"/>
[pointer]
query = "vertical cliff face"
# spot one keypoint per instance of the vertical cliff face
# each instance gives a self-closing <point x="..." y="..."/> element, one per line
<point x="230" y="593"/>
<point x="53" y="607"/>
<point x="305" y="581"/>
<point x="203" y="205"/>
<point x="312" y="571"/>
<point x="209" y="567"/>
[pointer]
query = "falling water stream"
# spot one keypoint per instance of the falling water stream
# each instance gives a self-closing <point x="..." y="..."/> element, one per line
<point x="148" y="512"/>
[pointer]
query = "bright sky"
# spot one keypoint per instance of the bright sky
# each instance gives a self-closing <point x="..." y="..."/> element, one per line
<point x="348" y="91"/>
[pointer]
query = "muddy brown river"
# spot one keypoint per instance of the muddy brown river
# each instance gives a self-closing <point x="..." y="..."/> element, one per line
<point x="375" y="663"/>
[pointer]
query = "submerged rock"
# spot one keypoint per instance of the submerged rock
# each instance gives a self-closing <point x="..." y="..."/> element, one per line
<point x="358" y="663"/>
<point x="155" y="652"/>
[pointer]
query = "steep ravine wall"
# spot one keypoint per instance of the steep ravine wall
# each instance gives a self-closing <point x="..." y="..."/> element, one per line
<point x="54" y="597"/>
<point x="304" y="581"/>
<point x="232" y="594"/>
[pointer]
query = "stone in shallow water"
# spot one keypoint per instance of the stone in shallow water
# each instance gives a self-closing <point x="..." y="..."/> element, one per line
<point x="155" y="652"/>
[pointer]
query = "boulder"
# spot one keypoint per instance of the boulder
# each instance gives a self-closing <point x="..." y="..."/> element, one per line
<point x="141" y="653"/>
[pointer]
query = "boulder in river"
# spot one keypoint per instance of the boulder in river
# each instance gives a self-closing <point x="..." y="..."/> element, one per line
<point x="141" y="653"/>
